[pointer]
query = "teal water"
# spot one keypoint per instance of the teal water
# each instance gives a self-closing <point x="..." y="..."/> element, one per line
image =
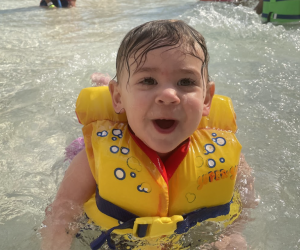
<point x="47" y="57"/>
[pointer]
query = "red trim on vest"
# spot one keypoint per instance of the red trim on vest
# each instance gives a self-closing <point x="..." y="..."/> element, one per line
<point x="168" y="168"/>
<point x="176" y="157"/>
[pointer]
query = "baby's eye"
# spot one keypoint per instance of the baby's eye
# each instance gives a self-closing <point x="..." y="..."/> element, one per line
<point x="148" y="81"/>
<point x="186" y="82"/>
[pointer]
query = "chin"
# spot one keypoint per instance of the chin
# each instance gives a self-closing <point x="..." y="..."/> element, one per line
<point x="162" y="146"/>
<point x="161" y="150"/>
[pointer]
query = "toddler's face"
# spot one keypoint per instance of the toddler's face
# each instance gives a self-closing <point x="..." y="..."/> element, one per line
<point x="165" y="98"/>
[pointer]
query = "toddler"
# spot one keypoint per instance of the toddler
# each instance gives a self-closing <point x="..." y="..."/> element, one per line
<point x="160" y="151"/>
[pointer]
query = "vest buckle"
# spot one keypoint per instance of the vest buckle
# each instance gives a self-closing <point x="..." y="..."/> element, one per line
<point x="155" y="226"/>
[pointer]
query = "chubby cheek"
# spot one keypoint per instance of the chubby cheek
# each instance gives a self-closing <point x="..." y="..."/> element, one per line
<point x="135" y="101"/>
<point x="193" y="109"/>
<point x="135" y="116"/>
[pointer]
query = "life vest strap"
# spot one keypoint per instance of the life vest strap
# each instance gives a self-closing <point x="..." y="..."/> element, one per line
<point x="113" y="210"/>
<point x="181" y="225"/>
<point x="191" y="219"/>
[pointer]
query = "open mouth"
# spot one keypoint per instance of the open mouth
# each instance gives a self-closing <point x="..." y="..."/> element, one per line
<point x="165" y="126"/>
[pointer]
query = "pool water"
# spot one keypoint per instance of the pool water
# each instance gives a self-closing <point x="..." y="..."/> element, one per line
<point x="47" y="57"/>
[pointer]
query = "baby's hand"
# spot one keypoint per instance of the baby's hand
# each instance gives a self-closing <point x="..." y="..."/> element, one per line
<point x="231" y="242"/>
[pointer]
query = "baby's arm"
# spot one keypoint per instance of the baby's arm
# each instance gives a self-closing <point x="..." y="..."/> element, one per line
<point x="245" y="184"/>
<point x="232" y="237"/>
<point x="76" y="188"/>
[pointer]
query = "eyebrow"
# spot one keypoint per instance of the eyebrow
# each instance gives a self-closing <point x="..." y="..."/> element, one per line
<point x="149" y="69"/>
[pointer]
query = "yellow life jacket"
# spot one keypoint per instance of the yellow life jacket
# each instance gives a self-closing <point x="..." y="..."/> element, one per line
<point x="136" y="181"/>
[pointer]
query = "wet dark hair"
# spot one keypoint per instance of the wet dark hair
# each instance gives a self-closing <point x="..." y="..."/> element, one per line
<point x="157" y="34"/>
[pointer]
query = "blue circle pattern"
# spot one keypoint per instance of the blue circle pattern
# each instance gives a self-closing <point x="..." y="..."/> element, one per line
<point x="102" y="133"/>
<point x="117" y="132"/>
<point x="210" y="151"/>
<point x="124" y="150"/>
<point x="139" y="188"/>
<point x="114" y="138"/>
<point x="114" y="149"/>
<point x="211" y="163"/>
<point x="132" y="174"/>
<point x="219" y="140"/>
<point x="120" y="174"/>
<point x="210" y="148"/>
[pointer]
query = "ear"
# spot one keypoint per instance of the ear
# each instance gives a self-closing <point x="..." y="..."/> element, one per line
<point x="115" y="93"/>
<point x="210" y="91"/>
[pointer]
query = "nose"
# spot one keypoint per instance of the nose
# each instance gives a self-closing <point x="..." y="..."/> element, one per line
<point x="167" y="96"/>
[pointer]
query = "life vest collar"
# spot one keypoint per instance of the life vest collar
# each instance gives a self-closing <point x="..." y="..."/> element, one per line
<point x="168" y="167"/>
